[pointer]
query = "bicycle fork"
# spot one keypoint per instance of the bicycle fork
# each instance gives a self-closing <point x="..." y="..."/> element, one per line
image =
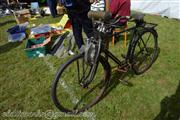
<point x="86" y="80"/>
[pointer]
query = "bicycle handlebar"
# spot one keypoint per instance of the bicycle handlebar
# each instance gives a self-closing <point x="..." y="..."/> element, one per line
<point x="107" y="17"/>
<point x="99" y="15"/>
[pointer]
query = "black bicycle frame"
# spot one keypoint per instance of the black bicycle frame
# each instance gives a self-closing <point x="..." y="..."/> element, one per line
<point x="135" y="33"/>
<point x="108" y="54"/>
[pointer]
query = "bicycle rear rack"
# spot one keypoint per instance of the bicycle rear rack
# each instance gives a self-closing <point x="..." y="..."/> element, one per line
<point x="150" y="25"/>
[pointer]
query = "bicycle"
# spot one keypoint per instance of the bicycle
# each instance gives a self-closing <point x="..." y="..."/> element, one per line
<point x="93" y="76"/>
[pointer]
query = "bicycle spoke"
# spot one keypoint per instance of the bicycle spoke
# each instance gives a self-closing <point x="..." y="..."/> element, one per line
<point x="84" y="72"/>
<point x="148" y="38"/>
<point x="144" y="44"/>
<point x="85" y="77"/>
<point x="144" y="51"/>
<point x="139" y="45"/>
<point x="78" y="70"/>
<point x="69" y="94"/>
<point x="85" y="95"/>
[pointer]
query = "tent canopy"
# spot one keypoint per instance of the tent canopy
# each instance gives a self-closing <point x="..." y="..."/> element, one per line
<point x="168" y="8"/>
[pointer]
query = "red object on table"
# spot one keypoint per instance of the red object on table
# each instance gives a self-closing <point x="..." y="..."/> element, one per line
<point x="47" y="35"/>
<point x="68" y="24"/>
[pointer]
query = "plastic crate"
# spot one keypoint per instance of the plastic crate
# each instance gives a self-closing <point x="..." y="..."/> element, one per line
<point x="35" y="52"/>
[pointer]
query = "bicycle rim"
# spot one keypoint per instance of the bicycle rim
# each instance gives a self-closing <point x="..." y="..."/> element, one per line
<point x="68" y="93"/>
<point x="145" y="51"/>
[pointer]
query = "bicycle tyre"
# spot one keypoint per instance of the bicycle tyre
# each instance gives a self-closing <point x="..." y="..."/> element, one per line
<point x="137" y="61"/>
<point x="59" y="74"/>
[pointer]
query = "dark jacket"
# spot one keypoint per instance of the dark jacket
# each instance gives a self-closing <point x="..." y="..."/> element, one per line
<point x="80" y="6"/>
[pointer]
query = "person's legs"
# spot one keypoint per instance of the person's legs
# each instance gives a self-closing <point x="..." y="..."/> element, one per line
<point x="49" y="2"/>
<point x="71" y="44"/>
<point x="55" y="5"/>
<point x="77" y="29"/>
<point x="87" y="25"/>
<point x="52" y="7"/>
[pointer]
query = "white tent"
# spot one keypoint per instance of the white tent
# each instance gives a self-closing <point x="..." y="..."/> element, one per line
<point x="168" y="8"/>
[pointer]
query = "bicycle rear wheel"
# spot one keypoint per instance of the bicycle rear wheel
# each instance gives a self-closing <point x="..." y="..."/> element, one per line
<point x="145" y="51"/>
<point x="68" y="93"/>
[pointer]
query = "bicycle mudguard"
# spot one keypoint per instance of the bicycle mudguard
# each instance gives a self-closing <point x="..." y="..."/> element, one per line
<point x="92" y="51"/>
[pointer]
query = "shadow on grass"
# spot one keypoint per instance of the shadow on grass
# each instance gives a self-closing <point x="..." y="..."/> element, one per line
<point x="119" y="78"/>
<point x="8" y="46"/>
<point x="7" y="22"/>
<point x="116" y="79"/>
<point x="123" y="78"/>
<point x="170" y="107"/>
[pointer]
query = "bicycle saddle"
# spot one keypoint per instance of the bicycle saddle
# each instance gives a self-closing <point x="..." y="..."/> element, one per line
<point x="137" y="16"/>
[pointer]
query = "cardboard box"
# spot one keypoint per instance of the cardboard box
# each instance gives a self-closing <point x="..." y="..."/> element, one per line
<point x="22" y="16"/>
<point x="60" y="10"/>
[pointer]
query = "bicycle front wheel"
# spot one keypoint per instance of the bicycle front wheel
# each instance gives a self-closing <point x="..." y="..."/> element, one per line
<point x="68" y="93"/>
<point x="145" y="50"/>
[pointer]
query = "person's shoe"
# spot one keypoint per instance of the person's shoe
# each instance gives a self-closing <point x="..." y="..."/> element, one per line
<point x="70" y="52"/>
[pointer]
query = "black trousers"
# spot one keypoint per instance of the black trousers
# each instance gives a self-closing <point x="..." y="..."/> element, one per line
<point x="81" y="21"/>
<point x="52" y="6"/>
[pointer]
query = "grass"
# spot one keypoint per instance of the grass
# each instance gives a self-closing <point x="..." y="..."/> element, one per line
<point x="25" y="83"/>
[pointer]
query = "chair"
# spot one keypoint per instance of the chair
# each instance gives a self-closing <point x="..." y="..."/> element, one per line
<point x="119" y="29"/>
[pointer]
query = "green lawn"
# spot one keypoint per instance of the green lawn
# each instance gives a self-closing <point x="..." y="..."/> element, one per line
<point x="25" y="83"/>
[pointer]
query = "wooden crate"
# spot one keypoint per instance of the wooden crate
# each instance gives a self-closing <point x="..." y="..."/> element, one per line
<point x="22" y="16"/>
